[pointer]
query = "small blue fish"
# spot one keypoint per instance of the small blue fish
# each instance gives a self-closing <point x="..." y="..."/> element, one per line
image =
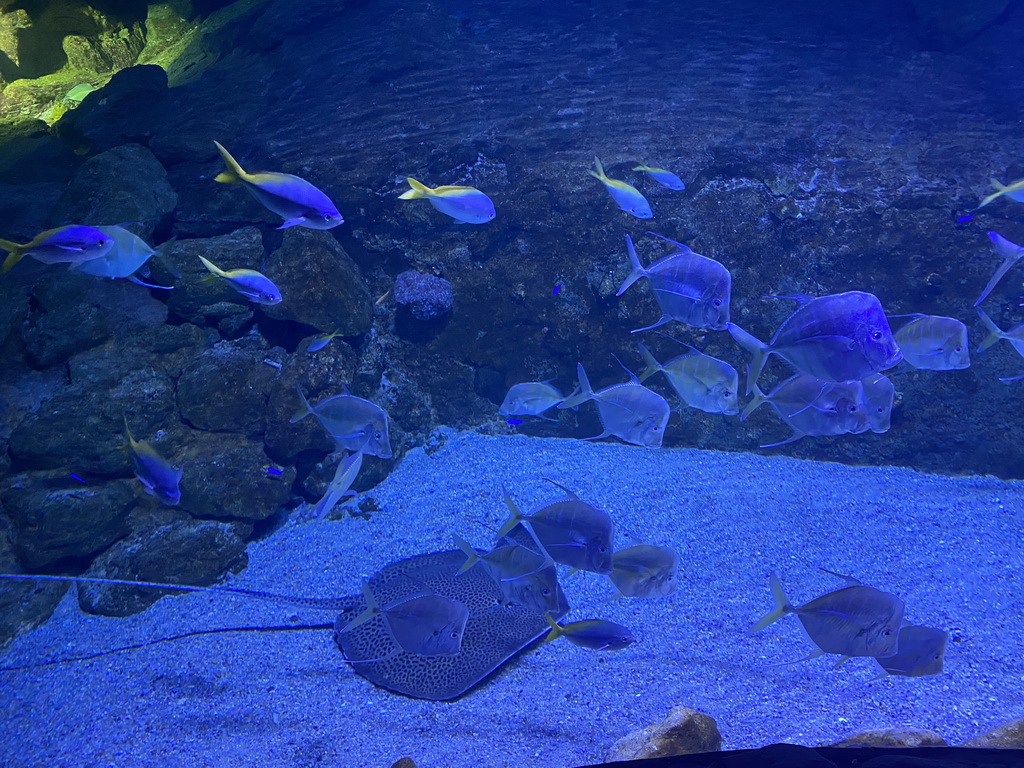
<point x="295" y="200"/>
<point x="626" y="196"/>
<point x="466" y="205"/>
<point x="72" y="244"/>
<point x="556" y="290"/>
<point x="159" y="478"/>
<point x="663" y="177"/>
<point x="1011" y="253"/>
<point x="254" y="285"/>
<point x="513" y="422"/>
<point x="274" y="472"/>
<point x="79" y="479"/>
<point x="596" y="634"/>
<point x="321" y="341"/>
<point x="965" y="219"/>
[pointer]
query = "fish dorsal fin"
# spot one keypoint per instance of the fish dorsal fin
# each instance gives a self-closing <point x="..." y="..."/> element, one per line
<point x="850" y="580"/>
<point x="632" y="376"/>
<point x="677" y="341"/>
<point x="802" y="298"/>
<point x="686" y="248"/>
<point x="571" y="495"/>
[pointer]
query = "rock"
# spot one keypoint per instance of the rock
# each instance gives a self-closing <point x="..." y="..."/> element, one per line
<point x="321" y="285"/>
<point x="893" y="737"/>
<point x="171" y="549"/>
<point x="60" y="323"/>
<point x="24" y="605"/>
<point x="684" y="732"/>
<point x="125" y="110"/>
<point x="196" y="300"/>
<point x="279" y="21"/>
<point x="427" y="297"/>
<point x="54" y="516"/>
<point x="26" y="207"/>
<point x="125" y="184"/>
<point x="227" y="388"/>
<point x="1009" y="735"/>
<point x="226" y="476"/>
<point x="29" y="153"/>
<point x="10" y="24"/>
<point x="14" y="306"/>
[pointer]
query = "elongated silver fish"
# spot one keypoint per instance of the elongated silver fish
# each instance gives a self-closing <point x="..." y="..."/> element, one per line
<point x="855" y="620"/>
<point x="629" y="411"/>
<point x="934" y="343"/>
<point x="703" y="382"/>
<point x="688" y="287"/>
<point x="839" y="337"/>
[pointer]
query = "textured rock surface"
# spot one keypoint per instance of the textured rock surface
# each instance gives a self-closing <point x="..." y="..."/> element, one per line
<point x="894" y="737"/>
<point x="684" y="732"/>
<point x="24" y="605"/>
<point x="1009" y="735"/>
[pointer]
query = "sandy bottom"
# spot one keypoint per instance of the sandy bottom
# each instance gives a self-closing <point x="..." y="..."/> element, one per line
<point x="951" y="547"/>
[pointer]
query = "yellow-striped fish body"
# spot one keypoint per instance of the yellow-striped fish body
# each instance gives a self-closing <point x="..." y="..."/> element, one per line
<point x="626" y="196"/>
<point x="467" y="205"/>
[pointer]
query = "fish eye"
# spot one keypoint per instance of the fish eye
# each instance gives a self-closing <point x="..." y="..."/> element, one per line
<point x="378" y="435"/>
<point x="958" y="349"/>
<point x="717" y="302"/>
<point x="546" y="591"/>
<point x="876" y="335"/>
<point x="852" y="408"/>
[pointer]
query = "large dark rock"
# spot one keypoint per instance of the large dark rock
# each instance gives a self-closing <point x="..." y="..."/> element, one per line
<point x="321" y="285"/>
<point x="683" y="732"/>
<point x="124" y="184"/>
<point x="24" y="605"/>
<point x="227" y="388"/>
<point x="893" y="737"/>
<point x="197" y="300"/>
<point x="24" y="208"/>
<point x="1009" y="735"/>
<point x="226" y="476"/>
<point x="30" y="153"/>
<point x="60" y="322"/>
<point x="129" y="108"/>
<point x="54" y="516"/>
<point x="170" y="549"/>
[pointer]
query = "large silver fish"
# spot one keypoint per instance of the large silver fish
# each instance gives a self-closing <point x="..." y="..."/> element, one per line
<point x="644" y="570"/>
<point x="879" y="395"/>
<point x="920" y="654"/>
<point x="629" y="411"/>
<point x="839" y="337"/>
<point x="525" y="577"/>
<point x="814" y="408"/>
<point x="354" y="423"/>
<point x="1011" y="253"/>
<point x="690" y="288"/>
<point x="530" y="398"/>
<point x="855" y="620"/>
<point x="934" y="343"/>
<point x="703" y="382"/>
<point x="425" y="624"/>
<point x="127" y="255"/>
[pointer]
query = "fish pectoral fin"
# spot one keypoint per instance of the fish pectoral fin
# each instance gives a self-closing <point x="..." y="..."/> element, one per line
<point x="71" y="248"/>
<point x="297" y="221"/>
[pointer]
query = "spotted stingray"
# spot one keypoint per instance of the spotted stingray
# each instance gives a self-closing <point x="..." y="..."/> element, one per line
<point x="494" y="633"/>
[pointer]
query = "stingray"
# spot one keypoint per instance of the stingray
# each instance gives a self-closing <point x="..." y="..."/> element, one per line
<point x="494" y="633"/>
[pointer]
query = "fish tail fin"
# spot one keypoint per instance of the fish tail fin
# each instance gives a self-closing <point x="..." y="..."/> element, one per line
<point x="995" y="333"/>
<point x="472" y="558"/>
<point x="1000" y="191"/>
<point x="214" y="269"/>
<point x="653" y="366"/>
<point x="996" y="185"/>
<point x="14" y="254"/>
<point x="756" y="402"/>
<point x="304" y="411"/>
<point x="755" y="347"/>
<point x="599" y="173"/>
<point x="556" y="630"/>
<point x="634" y="262"/>
<point x="583" y="391"/>
<point x="418" y="190"/>
<point x="162" y="254"/>
<point x="782" y="606"/>
<point x="234" y="173"/>
<point x="515" y="515"/>
<point x="641" y="168"/>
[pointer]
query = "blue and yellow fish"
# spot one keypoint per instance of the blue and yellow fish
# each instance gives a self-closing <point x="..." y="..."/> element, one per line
<point x="467" y="205"/>
<point x="626" y="196"/>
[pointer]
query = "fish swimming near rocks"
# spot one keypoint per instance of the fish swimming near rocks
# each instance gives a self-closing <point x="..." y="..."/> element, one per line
<point x="596" y="634"/>
<point x="701" y="381"/>
<point x="72" y="244"/>
<point x="1015" y="336"/>
<point x="344" y="475"/>
<point x="814" y="408"/>
<point x="688" y="287"/>
<point x="644" y="570"/>
<point x="125" y="258"/>
<point x="667" y="179"/>
<point x="568" y="529"/>
<point x="1011" y="253"/>
<point x="531" y="398"/>
<point x="855" y="620"/>
<point x="322" y="340"/>
<point x="354" y="423"/>
<point x="934" y="343"/>
<point x="1014" y="191"/>
<point x="629" y="411"/>
<point x="158" y="477"/>
<point x="626" y="196"/>
<point x="920" y="653"/>
<point x="295" y="200"/>
<point x="838" y="337"/>
<point x="254" y="285"/>
<point x="467" y="205"/>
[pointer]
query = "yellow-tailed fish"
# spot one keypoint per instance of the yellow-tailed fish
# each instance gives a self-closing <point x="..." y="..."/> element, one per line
<point x="596" y="634"/>
<point x="295" y="200"/>
<point x="467" y="205"/>
<point x="159" y="478"/>
<point x="663" y="177"/>
<point x="72" y="245"/>
<point x="626" y="196"/>
<point x="254" y="285"/>
<point x="1014" y="191"/>
<point x="321" y="341"/>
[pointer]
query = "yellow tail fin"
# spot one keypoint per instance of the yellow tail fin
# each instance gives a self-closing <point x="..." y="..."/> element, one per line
<point x="212" y="267"/>
<point x="418" y="190"/>
<point x="599" y="173"/>
<point x="234" y="173"/>
<point x="1000" y="190"/>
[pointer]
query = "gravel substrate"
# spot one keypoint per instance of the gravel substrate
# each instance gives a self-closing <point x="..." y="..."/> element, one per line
<point x="950" y="546"/>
